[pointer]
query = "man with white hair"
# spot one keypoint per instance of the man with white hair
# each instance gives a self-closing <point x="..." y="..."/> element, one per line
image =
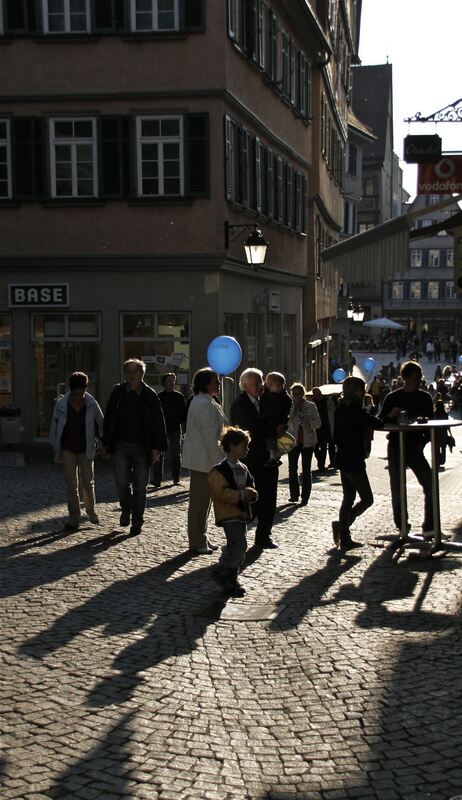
<point x="245" y="413"/>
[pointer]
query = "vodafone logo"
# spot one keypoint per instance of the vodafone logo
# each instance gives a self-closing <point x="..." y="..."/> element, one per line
<point x="445" y="168"/>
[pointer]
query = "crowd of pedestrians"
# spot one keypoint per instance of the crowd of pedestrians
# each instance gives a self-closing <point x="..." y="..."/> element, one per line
<point x="235" y="462"/>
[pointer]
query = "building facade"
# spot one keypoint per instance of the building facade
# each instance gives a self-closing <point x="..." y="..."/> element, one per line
<point x="424" y="298"/>
<point x="123" y="154"/>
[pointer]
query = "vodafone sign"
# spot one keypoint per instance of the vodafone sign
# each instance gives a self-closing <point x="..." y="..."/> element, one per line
<point x="445" y="177"/>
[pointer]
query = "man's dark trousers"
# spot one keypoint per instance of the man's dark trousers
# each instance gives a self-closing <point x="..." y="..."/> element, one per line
<point x="266" y="484"/>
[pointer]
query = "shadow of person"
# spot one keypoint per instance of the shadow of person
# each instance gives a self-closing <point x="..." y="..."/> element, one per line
<point x="113" y="751"/>
<point x="26" y="571"/>
<point x="308" y="593"/>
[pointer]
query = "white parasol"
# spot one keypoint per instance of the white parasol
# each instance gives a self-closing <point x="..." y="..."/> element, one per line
<point x="383" y="322"/>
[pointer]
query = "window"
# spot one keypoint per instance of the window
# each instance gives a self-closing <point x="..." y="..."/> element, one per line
<point x="424" y="223"/>
<point x="397" y="290"/>
<point x="349" y="218"/>
<point x="161" y="340"/>
<point x="416" y="258"/>
<point x="286" y="72"/>
<point x="415" y="290"/>
<point x="352" y="160"/>
<point x="432" y="290"/>
<point x="5" y="159"/>
<point x="159" y="156"/>
<point x="252" y="340"/>
<point x="66" y="16"/>
<point x="6" y="375"/>
<point x="450" y="257"/>
<point x="369" y="187"/>
<point x="65" y="326"/>
<point x="433" y="258"/>
<point x="365" y="226"/>
<point x="432" y="199"/>
<point x="154" y="15"/>
<point x="73" y="158"/>
<point x="303" y="86"/>
<point x="449" y="291"/>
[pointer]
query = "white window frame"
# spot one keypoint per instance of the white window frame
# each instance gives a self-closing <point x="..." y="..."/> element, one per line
<point x="161" y="140"/>
<point x="449" y="290"/>
<point x="7" y="144"/>
<point x="155" y="18"/>
<point x="415" y="290"/>
<point x="434" y="258"/>
<point x="397" y="290"/>
<point x="67" y="19"/>
<point x="416" y="258"/>
<point x="73" y="142"/>
<point x="450" y="257"/>
<point x="433" y="295"/>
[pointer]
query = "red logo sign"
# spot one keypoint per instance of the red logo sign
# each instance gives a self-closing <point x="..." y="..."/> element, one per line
<point x="445" y="177"/>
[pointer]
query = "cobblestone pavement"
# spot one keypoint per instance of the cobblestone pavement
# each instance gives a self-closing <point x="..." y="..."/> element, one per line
<point x="125" y="674"/>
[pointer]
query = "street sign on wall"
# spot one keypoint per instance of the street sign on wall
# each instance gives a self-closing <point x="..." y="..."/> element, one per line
<point x="445" y="177"/>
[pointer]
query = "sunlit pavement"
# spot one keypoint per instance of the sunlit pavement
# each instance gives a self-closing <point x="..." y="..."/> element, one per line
<point x="125" y="673"/>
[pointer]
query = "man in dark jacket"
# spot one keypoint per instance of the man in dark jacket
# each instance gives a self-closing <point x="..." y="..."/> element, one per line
<point x="174" y="408"/>
<point x="245" y="412"/>
<point x="134" y="433"/>
<point x="416" y="403"/>
<point x="351" y="423"/>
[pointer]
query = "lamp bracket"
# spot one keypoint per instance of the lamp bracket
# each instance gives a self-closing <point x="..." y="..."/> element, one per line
<point x="229" y="228"/>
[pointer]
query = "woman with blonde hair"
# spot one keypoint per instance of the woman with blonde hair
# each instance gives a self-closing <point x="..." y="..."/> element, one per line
<point x="304" y="421"/>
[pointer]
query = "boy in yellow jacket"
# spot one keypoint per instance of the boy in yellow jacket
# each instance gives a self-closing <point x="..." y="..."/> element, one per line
<point x="233" y="492"/>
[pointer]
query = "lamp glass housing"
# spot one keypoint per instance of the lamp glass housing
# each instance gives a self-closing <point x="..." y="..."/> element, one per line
<point x="255" y="247"/>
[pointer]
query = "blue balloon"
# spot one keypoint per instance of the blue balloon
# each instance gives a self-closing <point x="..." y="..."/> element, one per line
<point x="339" y="375"/>
<point x="224" y="354"/>
<point x="460" y="359"/>
<point x="369" y="364"/>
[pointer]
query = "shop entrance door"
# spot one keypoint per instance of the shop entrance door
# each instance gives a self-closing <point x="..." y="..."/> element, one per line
<point x="55" y="362"/>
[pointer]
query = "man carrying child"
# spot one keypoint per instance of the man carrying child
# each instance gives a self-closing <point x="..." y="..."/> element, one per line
<point x="275" y="405"/>
<point x="232" y="488"/>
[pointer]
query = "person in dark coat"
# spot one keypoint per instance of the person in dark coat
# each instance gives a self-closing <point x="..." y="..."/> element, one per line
<point x="351" y="423"/>
<point x="134" y="434"/>
<point x="174" y="408"/>
<point x="245" y="412"/>
<point x="417" y="403"/>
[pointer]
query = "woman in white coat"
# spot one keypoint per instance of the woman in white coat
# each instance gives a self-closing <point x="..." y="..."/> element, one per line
<point x="76" y="424"/>
<point x="201" y="451"/>
<point x="304" y="421"/>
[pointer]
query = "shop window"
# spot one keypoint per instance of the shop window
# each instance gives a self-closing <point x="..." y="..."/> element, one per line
<point x="271" y="331"/>
<point x="83" y="326"/>
<point x="252" y="340"/>
<point x="65" y="326"/>
<point x="66" y="16"/>
<point x="288" y="347"/>
<point x="6" y="388"/>
<point x="162" y="341"/>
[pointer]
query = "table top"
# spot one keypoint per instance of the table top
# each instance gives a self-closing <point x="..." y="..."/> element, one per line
<point x="432" y="423"/>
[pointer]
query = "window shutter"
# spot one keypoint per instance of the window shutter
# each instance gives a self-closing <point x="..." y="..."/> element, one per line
<point x="229" y="158"/>
<point x="232" y="19"/>
<point x="28" y="157"/>
<point x="270" y="183"/>
<point x="197" y="143"/>
<point x="114" y="157"/>
<point x="304" y="225"/>
<point x="280" y="190"/>
<point x="261" y="39"/>
<point x="193" y="15"/>
<point x="250" y="28"/>
<point x="298" y="200"/>
<point x="109" y="15"/>
<point x="20" y="16"/>
<point x="289" y="210"/>
<point x="244" y="167"/>
<point x="258" y="174"/>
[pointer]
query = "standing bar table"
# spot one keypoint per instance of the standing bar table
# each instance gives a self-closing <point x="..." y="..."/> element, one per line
<point x="405" y="538"/>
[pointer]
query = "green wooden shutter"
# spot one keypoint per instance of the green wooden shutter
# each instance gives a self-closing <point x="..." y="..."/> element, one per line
<point x="270" y="183"/>
<point x="232" y="19"/>
<point x="28" y="157"/>
<point x="193" y="15"/>
<point x="197" y="143"/>
<point x="114" y="157"/>
<point x="244" y="167"/>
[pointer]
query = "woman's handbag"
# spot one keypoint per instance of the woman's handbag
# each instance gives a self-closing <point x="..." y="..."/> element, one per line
<point x="285" y="443"/>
